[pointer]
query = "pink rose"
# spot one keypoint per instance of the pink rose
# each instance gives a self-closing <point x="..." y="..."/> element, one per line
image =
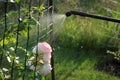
<point x="44" y="47"/>
<point x="44" y="51"/>
<point x="46" y="58"/>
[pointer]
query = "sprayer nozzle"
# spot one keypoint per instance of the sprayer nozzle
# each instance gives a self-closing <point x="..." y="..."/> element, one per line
<point x="68" y="13"/>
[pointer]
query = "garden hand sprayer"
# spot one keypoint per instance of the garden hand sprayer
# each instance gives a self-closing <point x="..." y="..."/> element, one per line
<point x="69" y="13"/>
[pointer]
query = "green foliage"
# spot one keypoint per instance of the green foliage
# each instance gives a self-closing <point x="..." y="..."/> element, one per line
<point x="17" y="1"/>
<point x="40" y="9"/>
<point x="29" y="21"/>
<point x="16" y="29"/>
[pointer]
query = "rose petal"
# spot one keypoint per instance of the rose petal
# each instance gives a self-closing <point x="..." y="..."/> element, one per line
<point x="46" y="69"/>
<point x="44" y="47"/>
<point x="47" y="59"/>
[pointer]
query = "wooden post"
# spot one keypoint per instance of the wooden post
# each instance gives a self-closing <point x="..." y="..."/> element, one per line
<point x="51" y="36"/>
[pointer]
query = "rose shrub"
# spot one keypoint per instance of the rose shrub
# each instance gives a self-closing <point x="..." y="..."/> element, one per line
<point x="43" y="66"/>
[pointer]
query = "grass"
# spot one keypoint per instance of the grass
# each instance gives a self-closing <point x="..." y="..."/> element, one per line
<point x="78" y="65"/>
<point x="87" y="32"/>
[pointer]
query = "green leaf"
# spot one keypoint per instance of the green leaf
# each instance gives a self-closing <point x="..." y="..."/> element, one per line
<point x="30" y="21"/>
<point x="1" y="76"/>
<point x="43" y="78"/>
<point x="15" y="26"/>
<point x="1" y="43"/>
<point x="41" y="7"/>
<point x="6" y="41"/>
<point x="17" y="1"/>
<point x="24" y="33"/>
<point x="36" y="8"/>
<point x="13" y="39"/>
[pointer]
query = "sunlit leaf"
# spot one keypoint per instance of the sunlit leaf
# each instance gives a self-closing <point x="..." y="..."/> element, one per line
<point x="11" y="48"/>
<point x="17" y="1"/>
<point x="1" y="43"/>
<point x="41" y="7"/>
<point x="13" y="39"/>
<point x="17" y="61"/>
<point x="6" y="41"/>
<point x="5" y="69"/>
<point x="24" y="33"/>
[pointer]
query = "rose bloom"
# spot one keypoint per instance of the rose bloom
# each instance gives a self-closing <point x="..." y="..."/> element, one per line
<point x="43" y="47"/>
<point x="46" y="69"/>
<point x="46" y="58"/>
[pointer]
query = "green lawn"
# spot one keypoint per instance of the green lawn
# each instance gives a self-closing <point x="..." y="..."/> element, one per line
<point x="79" y="65"/>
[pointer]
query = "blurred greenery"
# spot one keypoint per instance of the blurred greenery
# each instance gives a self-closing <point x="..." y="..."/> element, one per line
<point x="86" y="33"/>
<point x="79" y="35"/>
<point x="14" y="41"/>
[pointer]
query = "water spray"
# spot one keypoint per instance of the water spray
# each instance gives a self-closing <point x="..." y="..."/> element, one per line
<point x="69" y="13"/>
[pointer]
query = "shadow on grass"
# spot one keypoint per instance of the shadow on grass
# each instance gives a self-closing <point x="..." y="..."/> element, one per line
<point x="109" y="65"/>
<point x="70" y="60"/>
